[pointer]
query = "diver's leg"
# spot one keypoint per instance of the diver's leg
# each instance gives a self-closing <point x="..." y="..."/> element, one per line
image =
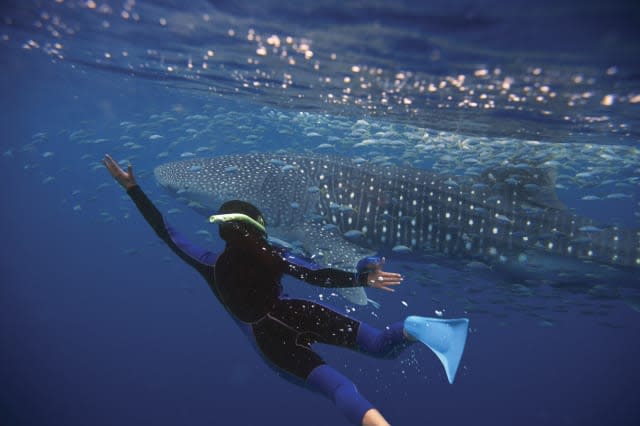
<point x="279" y="343"/>
<point x="317" y="322"/>
<point x="445" y="337"/>
<point x="388" y="342"/>
<point x="345" y="395"/>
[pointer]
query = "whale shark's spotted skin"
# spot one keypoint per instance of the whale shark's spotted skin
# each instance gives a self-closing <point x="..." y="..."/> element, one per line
<point x="499" y="217"/>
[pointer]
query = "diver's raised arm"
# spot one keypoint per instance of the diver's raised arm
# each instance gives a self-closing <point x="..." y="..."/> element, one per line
<point x="201" y="259"/>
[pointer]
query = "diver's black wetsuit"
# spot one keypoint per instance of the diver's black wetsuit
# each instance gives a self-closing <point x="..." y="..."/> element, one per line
<point x="246" y="280"/>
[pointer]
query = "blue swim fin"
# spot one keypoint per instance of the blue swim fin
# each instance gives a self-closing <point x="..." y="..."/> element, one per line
<point x="445" y="337"/>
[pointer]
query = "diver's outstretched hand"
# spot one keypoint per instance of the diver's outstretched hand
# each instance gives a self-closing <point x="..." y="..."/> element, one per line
<point x="126" y="179"/>
<point x="377" y="278"/>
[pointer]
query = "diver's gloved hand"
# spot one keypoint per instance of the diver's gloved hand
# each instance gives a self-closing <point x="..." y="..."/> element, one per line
<point x="126" y="179"/>
<point x="376" y="277"/>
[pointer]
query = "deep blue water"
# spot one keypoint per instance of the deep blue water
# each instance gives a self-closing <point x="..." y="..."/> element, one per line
<point x="99" y="324"/>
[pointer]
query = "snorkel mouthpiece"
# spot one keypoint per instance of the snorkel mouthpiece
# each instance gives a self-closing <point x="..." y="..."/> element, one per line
<point x="217" y="218"/>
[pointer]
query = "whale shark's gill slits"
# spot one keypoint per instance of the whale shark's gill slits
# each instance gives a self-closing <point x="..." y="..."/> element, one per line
<point x="370" y="193"/>
<point x="435" y="212"/>
<point x="411" y="203"/>
<point x="326" y="185"/>
<point x="345" y="186"/>
<point x="412" y="211"/>
<point x="295" y="179"/>
<point x="302" y="180"/>
<point x="418" y="194"/>
<point x="263" y="183"/>
<point x="427" y="214"/>
<point x="358" y="200"/>
<point x="380" y="208"/>
<point x="331" y="187"/>
<point x="277" y="176"/>
<point x="323" y="202"/>
<point x="309" y="197"/>
<point x="354" y="200"/>
<point x="386" y="203"/>
<point x="345" y="209"/>
<point x="402" y="230"/>
<point x="448" y="230"/>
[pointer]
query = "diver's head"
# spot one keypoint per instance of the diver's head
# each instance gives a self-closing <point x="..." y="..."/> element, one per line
<point x="238" y="218"/>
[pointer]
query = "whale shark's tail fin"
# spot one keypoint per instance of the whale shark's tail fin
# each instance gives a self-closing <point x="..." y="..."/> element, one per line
<point x="445" y="337"/>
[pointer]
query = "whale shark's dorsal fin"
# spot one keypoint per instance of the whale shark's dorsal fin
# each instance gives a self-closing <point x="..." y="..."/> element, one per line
<point x="525" y="183"/>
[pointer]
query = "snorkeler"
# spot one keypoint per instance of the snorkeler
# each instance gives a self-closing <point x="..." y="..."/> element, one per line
<point x="246" y="276"/>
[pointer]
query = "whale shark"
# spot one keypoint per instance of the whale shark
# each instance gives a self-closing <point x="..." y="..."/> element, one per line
<point x="337" y="210"/>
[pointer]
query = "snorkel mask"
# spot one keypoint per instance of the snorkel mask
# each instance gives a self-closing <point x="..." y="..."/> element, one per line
<point x="228" y="217"/>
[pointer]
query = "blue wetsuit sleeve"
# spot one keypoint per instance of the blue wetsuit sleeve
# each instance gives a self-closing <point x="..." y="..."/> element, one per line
<point x="312" y="273"/>
<point x="200" y="259"/>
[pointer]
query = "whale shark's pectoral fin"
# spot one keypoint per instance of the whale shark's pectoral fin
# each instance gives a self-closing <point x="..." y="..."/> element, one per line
<point x="326" y="248"/>
<point x="355" y="295"/>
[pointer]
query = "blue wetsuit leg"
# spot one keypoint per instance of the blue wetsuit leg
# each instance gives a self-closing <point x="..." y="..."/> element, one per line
<point x="385" y="343"/>
<point x="341" y="391"/>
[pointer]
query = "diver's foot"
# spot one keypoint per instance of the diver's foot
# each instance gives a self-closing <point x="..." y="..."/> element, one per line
<point x="374" y="418"/>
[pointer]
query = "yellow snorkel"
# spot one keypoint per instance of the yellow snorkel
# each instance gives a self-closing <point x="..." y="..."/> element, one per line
<point x="218" y="218"/>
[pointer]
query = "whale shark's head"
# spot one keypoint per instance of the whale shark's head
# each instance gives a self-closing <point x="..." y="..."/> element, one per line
<point x="212" y="181"/>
